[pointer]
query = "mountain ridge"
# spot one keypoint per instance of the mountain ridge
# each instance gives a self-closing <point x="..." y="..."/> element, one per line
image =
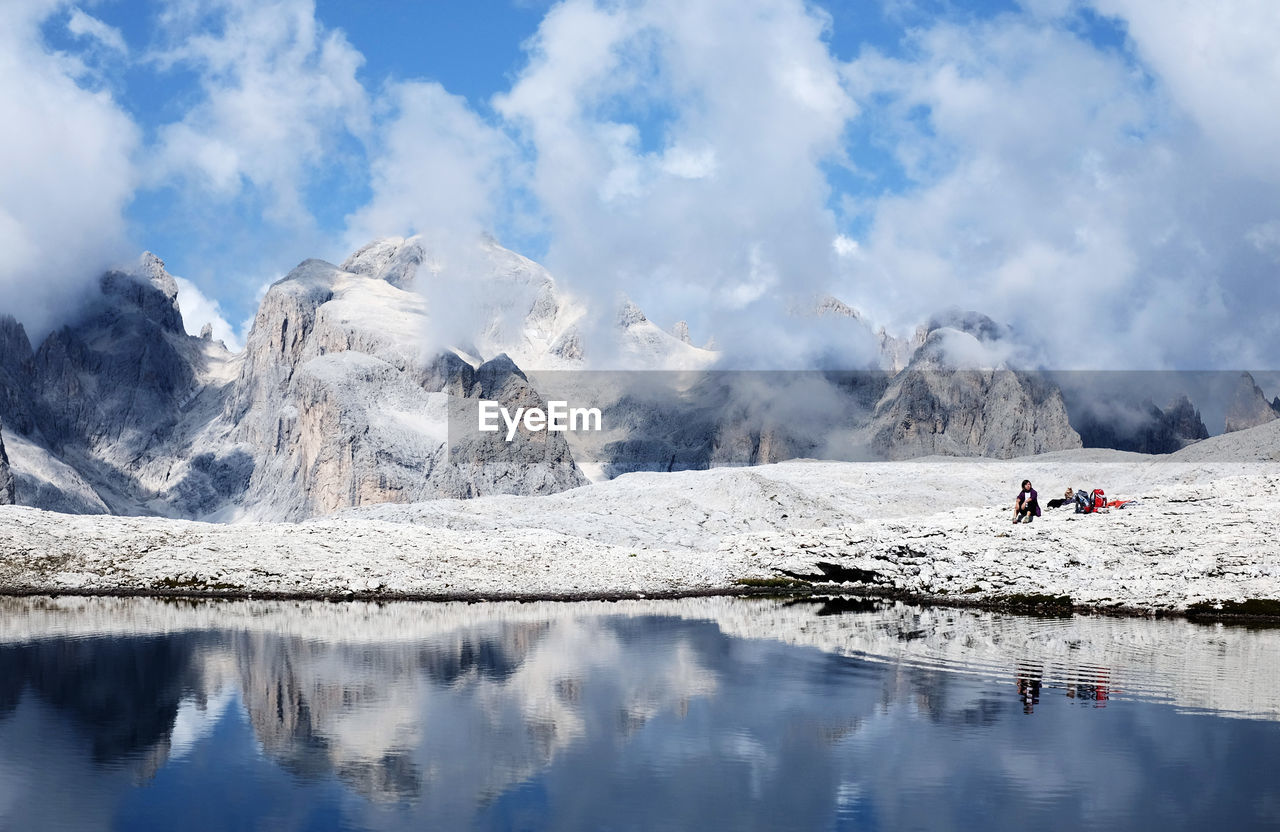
<point x="353" y="378"/>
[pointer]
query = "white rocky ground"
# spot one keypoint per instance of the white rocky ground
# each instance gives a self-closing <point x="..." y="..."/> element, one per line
<point x="1204" y="528"/>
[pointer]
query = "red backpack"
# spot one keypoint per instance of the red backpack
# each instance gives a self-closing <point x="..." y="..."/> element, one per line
<point x="1097" y="499"/>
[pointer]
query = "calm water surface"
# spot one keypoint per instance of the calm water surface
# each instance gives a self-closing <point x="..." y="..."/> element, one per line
<point x="699" y="714"/>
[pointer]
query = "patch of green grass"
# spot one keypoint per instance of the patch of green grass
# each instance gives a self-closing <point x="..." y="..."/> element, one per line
<point x="1250" y="607"/>
<point x="773" y="583"/>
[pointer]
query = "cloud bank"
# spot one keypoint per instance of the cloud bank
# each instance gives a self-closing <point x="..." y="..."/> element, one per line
<point x="67" y="175"/>
<point x="678" y="152"/>
<point x="1099" y="174"/>
<point x="1076" y="191"/>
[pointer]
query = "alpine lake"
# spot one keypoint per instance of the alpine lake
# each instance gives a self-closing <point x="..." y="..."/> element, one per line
<point x="813" y="713"/>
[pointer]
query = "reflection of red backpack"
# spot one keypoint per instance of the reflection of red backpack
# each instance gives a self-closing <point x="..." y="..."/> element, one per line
<point x="1097" y="499"/>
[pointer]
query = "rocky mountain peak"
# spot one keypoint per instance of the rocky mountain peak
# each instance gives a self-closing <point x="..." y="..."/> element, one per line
<point x="111" y="381"/>
<point x="950" y="348"/>
<point x="148" y="290"/>
<point x="629" y="315"/>
<point x="1249" y="407"/>
<point x="8" y="491"/>
<point x="152" y="269"/>
<point x="1145" y="429"/>
<point x="16" y="375"/>
<point x="341" y="399"/>
<point x="14" y="344"/>
<point x="496" y="375"/>
<point x="345" y="393"/>
<point x="393" y="259"/>
<point x="1184" y="422"/>
<point x="973" y="323"/>
<point x="831" y="305"/>
<point x="940" y="404"/>
<point x="896" y="353"/>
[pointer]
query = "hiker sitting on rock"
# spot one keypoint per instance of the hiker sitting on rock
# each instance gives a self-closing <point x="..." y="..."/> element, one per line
<point x="1027" y="505"/>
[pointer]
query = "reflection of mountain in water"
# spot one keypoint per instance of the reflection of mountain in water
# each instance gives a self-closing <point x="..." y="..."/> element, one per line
<point x="460" y="717"/>
<point x="453" y="717"/>
<point x="123" y="694"/>
<point x="355" y="709"/>
<point x="449" y="707"/>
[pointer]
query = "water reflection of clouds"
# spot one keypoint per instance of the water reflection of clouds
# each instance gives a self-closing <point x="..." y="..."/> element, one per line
<point x="196" y="719"/>
<point x="564" y="716"/>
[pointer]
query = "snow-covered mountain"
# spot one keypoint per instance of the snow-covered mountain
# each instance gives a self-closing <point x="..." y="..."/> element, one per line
<point x="343" y="393"/>
<point x="335" y="402"/>
<point x="339" y="402"/>
<point x="508" y="304"/>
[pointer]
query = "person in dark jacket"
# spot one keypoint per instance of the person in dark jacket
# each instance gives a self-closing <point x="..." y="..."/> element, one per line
<point x="1027" y="506"/>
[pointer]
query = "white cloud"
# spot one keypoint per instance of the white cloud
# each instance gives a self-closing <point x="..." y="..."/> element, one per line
<point x="275" y="116"/>
<point x="1055" y="187"/>
<point x="678" y="157"/>
<point x="278" y="94"/>
<point x="436" y="168"/>
<point x="1220" y="63"/>
<point x="66" y="177"/>
<point x="84" y="25"/>
<point x="198" y="310"/>
<point x="845" y="246"/>
<point x="689" y="164"/>
<point x="679" y="153"/>
<point x="439" y="171"/>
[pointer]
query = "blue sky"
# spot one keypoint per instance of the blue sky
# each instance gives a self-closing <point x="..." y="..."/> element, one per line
<point x="715" y="160"/>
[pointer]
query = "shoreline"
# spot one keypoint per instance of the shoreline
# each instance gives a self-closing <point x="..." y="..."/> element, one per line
<point x="927" y="531"/>
<point x="1165" y="658"/>
<point x="1007" y="606"/>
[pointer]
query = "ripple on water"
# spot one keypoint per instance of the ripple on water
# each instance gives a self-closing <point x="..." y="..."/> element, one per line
<point x="1199" y="668"/>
